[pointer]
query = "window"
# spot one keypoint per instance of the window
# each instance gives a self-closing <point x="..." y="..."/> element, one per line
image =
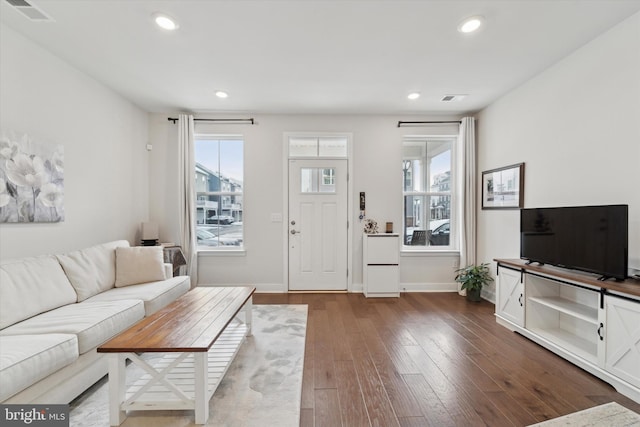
<point x="325" y="146"/>
<point x="428" y="182"/>
<point x="219" y="191"/>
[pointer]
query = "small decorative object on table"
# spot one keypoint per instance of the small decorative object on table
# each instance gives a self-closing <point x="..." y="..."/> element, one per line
<point x="370" y="226"/>
<point x="149" y="232"/>
<point x="473" y="278"/>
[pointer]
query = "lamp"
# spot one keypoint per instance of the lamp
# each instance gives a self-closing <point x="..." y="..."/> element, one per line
<point x="149" y="233"/>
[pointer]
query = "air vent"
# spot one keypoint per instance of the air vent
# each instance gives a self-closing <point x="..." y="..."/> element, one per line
<point x="449" y="98"/>
<point x="32" y="12"/>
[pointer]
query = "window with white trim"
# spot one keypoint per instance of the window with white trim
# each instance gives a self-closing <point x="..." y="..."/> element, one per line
<point x="429" y="192"/>
<point x="219" y="191"/>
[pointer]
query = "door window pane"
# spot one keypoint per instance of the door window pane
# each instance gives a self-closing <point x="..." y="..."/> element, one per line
<point x="308" y="180"/>
<point x="317" y="180"/>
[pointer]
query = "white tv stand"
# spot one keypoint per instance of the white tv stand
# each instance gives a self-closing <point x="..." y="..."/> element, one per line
<point x="593" y="324"/>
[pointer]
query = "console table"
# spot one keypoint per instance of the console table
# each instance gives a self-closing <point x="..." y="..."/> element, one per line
<point x="591" y="323"/>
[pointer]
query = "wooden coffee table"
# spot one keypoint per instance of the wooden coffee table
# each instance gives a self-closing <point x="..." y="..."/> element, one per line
<point x="198" y="335"/>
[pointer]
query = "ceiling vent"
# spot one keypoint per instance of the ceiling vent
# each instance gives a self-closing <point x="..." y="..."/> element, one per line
<point x="449" y="98"/>
<point x="32" y="12"/>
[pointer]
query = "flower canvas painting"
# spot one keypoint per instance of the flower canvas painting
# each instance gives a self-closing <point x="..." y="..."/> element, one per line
<point x="31" y="179"/>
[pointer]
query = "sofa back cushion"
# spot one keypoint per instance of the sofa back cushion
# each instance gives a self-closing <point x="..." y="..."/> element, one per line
<point x="92" y="270"/>
<point x="30" y="286"/>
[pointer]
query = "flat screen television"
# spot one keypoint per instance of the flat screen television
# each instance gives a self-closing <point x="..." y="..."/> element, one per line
<point x="587" y="238"/>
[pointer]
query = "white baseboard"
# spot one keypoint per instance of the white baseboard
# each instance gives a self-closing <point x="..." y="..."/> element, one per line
<point x="428" y="287"/>
<point x="261" y="288"/>
<point x="279" y="288"/>
<point x="489" y="295"/>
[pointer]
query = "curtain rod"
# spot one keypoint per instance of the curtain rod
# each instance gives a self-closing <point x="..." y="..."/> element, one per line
<point x="248" y="121"/>
<point x="401" y="123"/>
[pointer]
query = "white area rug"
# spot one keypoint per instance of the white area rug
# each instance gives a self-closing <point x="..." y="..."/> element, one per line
<point x="262" y="385"/>
<point x="607" y="415"/>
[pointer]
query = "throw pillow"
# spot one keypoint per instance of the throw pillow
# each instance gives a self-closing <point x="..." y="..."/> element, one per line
<point x="139" y="265"/>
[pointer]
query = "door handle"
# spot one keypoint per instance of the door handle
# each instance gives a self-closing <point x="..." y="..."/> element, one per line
<point x="520" y="300"/>
<point x="295" y="232"/>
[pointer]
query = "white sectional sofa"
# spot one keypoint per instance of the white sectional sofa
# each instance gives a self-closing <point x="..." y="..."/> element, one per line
<point x="56" y="310"/>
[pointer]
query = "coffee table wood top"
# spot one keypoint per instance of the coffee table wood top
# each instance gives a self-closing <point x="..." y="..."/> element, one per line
<point x="192" y="323"/>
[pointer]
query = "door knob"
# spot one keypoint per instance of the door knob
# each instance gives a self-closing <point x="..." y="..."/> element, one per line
<point x="294" y="231"/>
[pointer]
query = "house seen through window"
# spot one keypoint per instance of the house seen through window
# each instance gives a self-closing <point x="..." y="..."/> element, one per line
<point x="219" y="191"/>
<point x="428" y="189"/>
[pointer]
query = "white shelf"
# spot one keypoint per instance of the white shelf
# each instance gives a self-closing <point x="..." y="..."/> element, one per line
<point x="572" y="308"/>
<point x="574" y="344"/>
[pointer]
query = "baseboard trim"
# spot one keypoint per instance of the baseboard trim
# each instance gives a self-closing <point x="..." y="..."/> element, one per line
<point x="428" y="287"/>
<point x="278" y="288"/>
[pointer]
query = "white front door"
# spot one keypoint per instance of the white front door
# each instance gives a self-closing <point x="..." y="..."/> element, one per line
<point x="318" y="225"/>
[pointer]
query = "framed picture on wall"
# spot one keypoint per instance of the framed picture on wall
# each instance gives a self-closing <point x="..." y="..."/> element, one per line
<point x="503" y="188"/>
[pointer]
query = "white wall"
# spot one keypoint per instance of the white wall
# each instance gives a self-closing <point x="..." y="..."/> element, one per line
<point x="577" y="128"/>
<point x="104" y="137"/>
<point x="377" y="154"/>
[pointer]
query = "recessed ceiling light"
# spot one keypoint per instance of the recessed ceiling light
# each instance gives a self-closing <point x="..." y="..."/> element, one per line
<point x="221" y="94"/>
<point x="414" y="95"/>
<point x="165" y="22"/>
<point x="471" y="24"/>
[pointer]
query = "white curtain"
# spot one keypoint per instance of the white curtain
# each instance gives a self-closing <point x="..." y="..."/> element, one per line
<point x="467" y="190"/>
<point x="186" y="218"/>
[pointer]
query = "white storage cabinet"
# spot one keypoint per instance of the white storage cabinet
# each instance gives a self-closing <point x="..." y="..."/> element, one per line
<point x="381" y="272"/>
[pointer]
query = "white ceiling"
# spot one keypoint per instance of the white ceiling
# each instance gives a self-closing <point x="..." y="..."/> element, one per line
<point x="316" y="56"/>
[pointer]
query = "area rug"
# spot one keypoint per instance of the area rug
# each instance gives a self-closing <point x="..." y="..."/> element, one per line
<point x="264" y="382"/>
<point x="609" y="415"/>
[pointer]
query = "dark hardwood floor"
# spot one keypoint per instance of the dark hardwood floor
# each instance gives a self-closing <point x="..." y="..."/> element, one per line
<point x="430" y="359"/>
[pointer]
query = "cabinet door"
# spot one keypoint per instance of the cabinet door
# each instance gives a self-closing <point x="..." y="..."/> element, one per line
<point x="622" y="339"/>
<point x="510" y="296"/>
<point x="382" y="279"/>
<point x="382" y="249"/>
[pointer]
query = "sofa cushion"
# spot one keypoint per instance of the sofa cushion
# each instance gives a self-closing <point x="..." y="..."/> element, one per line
<point x="140" y="264"/>
<point x="155" y="295"/>
<point x="92" y="322"/>
<point x="92" y="270"/>
<point x="30" y="286"/>
<point x="25" y="359"/>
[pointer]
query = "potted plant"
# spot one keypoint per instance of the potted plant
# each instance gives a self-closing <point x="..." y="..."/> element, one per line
<point x="473" y="278"/>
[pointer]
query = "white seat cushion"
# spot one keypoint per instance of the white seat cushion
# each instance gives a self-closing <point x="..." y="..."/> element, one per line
<point x="92" y="322"/>
<point x="30" y="286"/>
<point x="155" y="294"/>
<point x="25" y="359"/>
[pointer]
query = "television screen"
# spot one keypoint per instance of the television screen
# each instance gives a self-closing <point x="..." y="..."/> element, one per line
<point x="588" y="238"/>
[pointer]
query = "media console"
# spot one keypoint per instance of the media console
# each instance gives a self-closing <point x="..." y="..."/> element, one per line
<point x="593" y="324"/>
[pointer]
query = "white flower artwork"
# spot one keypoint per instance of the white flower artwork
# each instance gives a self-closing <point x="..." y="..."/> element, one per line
<point x="31" y="179"/>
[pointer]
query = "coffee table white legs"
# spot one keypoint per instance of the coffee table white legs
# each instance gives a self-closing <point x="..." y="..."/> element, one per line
<point x="117" y="388"/>
<point x="201" y="396"/>
<point x="248" y="307"/>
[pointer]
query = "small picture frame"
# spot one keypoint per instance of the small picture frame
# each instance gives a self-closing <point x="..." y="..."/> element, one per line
<point x="503" y="188"/>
